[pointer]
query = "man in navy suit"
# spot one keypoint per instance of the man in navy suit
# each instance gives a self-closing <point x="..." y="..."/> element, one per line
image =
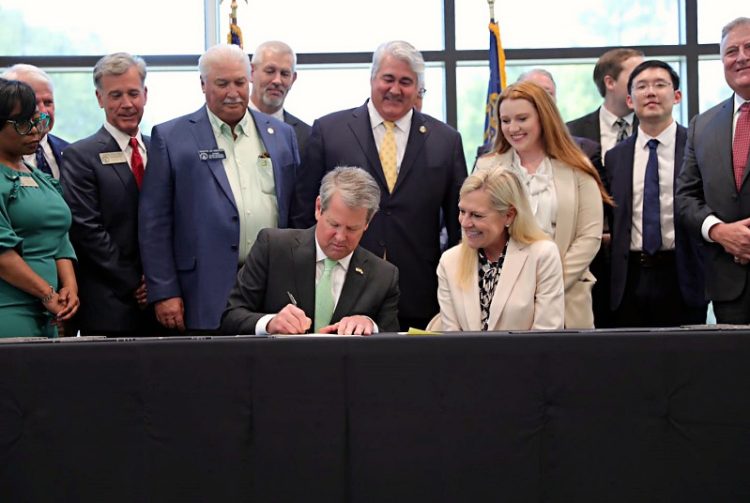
<point x="274" y="71"/>
<point x="216" y="177"/>
<point x="713" y="192"/>
<point x="49" y="151"/>
<point x="101" y="175"/>
<point x="657" y="267"/>
<point x="419" y="173"/>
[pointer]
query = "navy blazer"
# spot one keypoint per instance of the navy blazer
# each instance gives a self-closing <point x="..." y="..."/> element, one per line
<point x="189" y="227"/>
<point x="688" y="249"/>
<point x="103" y="200"/>
<point x="58" y="145"/>
<point x="406" y="229"/>
<point x="301" y="130"/>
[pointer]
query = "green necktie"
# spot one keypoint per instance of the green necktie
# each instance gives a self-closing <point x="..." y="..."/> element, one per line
<point x="324" y="296"/>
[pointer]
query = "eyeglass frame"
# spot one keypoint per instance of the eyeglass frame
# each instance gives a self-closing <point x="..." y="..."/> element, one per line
<point x="32" y="123"/>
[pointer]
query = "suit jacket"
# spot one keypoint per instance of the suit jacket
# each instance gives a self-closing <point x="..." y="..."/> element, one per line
<point x="578" y="233"/>
<point x="189" y="227"/>
<point x="58" y="145"/>
<point x="619" y="162"/>
<point x="301" y="130"/>
<point x="706" y="186"/>
<point x="103" y="199"/>
<point x="282" y="261"/>
<point x="529" y="295"/>
<point x="406" y="229"/>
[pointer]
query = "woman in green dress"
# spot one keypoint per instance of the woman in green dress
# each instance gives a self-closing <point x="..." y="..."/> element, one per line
<point x="38" y="288"/>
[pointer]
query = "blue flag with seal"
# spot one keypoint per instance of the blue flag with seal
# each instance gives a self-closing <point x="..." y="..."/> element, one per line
<point x="496" y="85"/>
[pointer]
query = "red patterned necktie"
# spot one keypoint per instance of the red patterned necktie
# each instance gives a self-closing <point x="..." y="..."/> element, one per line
<point x="136" y="162"/>
<point x="741" y="143"/>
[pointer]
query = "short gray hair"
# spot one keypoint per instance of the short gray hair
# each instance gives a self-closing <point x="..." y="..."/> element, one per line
<point x="117" y="64"/>
<point x="535" y="71"/>
<point x="276" y="47"/>
<point x="356" y="186"/>
<point x="221" y="52"/>
<point x="19" y="70"/>
<point x="403" y="51"/>
<point x="729" y="27"/>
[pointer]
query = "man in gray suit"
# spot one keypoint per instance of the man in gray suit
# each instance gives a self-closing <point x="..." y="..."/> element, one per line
<point x="318" y="278"/>
<point x="101" y="175"/>
<point x="713" y="193"/>
<point x="274" y="70"/>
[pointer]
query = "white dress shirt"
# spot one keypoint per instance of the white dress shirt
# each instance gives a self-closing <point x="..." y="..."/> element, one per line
<point x="665" y="153"/>
<point x="48" y="155"/>
<point x="609" y="130"/>
<point x="123" y="141"/>
<point x="402" y="129"/>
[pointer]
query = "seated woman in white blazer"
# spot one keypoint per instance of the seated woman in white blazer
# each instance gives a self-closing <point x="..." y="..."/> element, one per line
<point x="506" y="273"/>
<point x="564" y="189"/>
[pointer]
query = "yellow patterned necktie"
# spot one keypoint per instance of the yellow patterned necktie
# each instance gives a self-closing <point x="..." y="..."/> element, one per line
<point x="388" y="154"/>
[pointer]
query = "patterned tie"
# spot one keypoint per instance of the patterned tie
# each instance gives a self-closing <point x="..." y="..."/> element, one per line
<point x="388" y="154"/>
<point x="622" y="132"/>
<point x="651" y="225"/>
<point x="136" y="162"/>
<point x="41" y="160"/>
<point x="324" y="296"/>
<point x="741" y="143"/>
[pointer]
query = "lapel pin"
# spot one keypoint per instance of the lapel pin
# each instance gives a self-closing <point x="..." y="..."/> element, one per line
<point x="359" y="270"/>
<point x="270" y="130"/>
<point x="423" y="129"/>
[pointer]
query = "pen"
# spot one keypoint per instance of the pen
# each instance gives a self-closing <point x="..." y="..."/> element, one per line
<point x="291" y="298"/>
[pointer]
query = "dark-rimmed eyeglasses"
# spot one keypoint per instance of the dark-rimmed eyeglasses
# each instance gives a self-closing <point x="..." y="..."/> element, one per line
<point x="26" y="126"/>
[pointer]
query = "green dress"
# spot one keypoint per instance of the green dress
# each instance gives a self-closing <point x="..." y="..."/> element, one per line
<point x="34" y="221"/>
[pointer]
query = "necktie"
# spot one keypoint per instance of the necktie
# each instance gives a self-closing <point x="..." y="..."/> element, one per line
<point x="324" y="296"/>
<point x="136" y="162"/>
<point x="41" y="160"/>
<point x="388" y="154"/>
<point x="741" y="143"/>
<point x="622" y="132"/>
<point x="651" y="225"/>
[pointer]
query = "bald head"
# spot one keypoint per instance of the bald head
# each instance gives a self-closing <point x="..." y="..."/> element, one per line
<point x="542" y="78"/>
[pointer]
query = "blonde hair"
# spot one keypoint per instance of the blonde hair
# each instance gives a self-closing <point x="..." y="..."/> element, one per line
<point x="506" y="192"/>
<point x="556" y="139"/>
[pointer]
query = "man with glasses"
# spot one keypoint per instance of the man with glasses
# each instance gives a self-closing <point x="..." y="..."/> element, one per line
<point x="657" y="267"/>
<point x="48" y="155"/>
<point x="418" y="162"/>
<point x="102" y="175"/>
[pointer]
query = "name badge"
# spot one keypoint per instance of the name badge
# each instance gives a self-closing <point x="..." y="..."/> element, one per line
<point x="211" y="155"/>
<point x="27" y="181"/>
<point x="113" y="157"/>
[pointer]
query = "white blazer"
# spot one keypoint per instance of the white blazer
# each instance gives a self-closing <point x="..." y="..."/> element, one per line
<point x="529" y="294"/>
<point x="578" y="233"/>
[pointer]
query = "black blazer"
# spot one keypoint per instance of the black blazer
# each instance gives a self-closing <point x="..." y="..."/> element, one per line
<point x="283" y="260"/>
<point x="706" y="186"/>
<point x="301" y="130"/>
<point x="103" y="199"/>
<point x="688" y="249"/>
<point x="406" y="229"/>
<point x="588" y="127"/>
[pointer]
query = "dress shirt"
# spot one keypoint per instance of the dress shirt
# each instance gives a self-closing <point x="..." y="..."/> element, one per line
<point x="48" y="154"/>
<point x="250" y="173"/>
<point x="540" y="188"/>
<point x="278" y="114"/>
<point x="712" y="220"/>
<point x="665" y="154"/>
<point x="123" y="141"/>
<point x="402" y="129"/>
<point x="609" y="129"/>
<point x="338" y="276"/>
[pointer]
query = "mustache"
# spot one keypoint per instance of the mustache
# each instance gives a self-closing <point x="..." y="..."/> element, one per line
<point x="232" y="101"/>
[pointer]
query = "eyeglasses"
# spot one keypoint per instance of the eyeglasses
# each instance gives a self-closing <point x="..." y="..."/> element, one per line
<point x="25" y="127"/>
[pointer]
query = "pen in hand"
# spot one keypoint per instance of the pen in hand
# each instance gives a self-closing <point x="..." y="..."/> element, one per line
<point x="292" y="299"/>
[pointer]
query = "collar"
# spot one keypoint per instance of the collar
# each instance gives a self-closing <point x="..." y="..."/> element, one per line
<point x="278" y="114"/>
<point x="738" y="101"/>
<point x="219" y="125"/>
<point x="123" y="139"/>
<point x="666" y="138"/>
<point x="376" y="119"/>
<point x="320" y="256"/>
<point x="610" y="118"/>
